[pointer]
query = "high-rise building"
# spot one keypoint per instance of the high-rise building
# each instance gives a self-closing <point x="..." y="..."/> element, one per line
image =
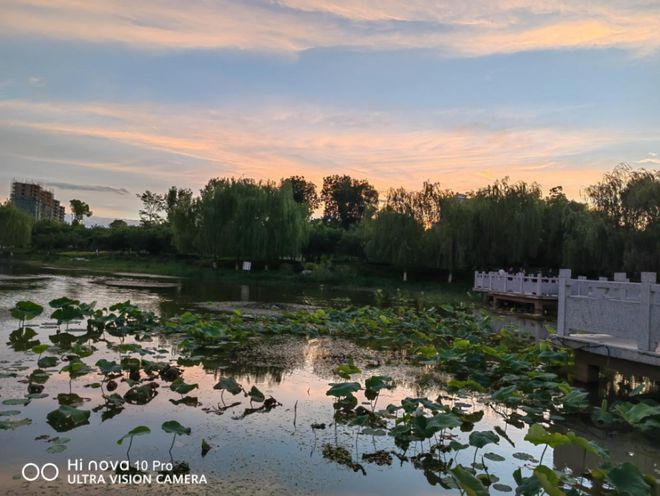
<point x="37" y="201"/>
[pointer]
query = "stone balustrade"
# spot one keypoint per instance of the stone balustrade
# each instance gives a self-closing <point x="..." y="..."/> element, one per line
<point x="618" y="308"/>
<point x="521" y="283"/>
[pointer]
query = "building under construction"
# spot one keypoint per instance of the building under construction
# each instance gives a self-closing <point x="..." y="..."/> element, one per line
<point x="37" y="201"/>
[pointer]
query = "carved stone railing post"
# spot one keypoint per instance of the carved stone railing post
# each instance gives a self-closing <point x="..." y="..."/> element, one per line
<point x="646" y="342"/>
<point x="564" y="276"/>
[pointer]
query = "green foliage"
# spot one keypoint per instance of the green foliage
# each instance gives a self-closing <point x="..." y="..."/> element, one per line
<point x="394" y="238"/>
<point x="242" y="219"/>
<point x="178" y="386"/>
<point x="303" y="191"/>
<point x="15" y="227"/>
<point x="256" y="395"/>
<point x="26" y="310"/>
<point x="347" y="200"/>
<point x="502" y="225"/>
<point x="522" y="380"/>
<point x="343" y="389"/>
<point x="229" y="384"/>
<point x="468" y="482"/>
<point x="79" y="209"/>
<point x="206" y="447"/>
<point x="479" y="439"/>
<point x="345" y="370"/>
<point x="174" y="427"/>
<point x="140" y="430"/>
<point x="628" y="480"/>
<point x="66" y="418"/>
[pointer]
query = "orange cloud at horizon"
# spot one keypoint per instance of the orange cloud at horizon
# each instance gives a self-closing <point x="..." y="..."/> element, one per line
<point x="271" y="144"/>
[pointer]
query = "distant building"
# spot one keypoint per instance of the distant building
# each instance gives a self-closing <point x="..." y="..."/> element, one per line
<point x="37" y="201"/>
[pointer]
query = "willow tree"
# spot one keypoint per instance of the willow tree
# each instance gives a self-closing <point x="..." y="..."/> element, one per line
<point x="184" y="218"/>
<point x="288" y="226"/>
<point x="394" y="234"/>
<point x="509" y="221"/>
<point x="394" y="238"/>
<point x="628" y="200"/>
<point x="449" y="244"/>
<point x="15" y="227"/>
<point x="244" y="219"/>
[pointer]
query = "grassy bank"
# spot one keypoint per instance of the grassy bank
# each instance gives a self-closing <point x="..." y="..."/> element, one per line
<point x="343" y="274"/>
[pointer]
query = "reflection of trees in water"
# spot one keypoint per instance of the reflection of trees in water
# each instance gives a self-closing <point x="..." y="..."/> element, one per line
<point x="623" y="447"/>
<point x="268" y="361"/>
<point x="615" y="385"/>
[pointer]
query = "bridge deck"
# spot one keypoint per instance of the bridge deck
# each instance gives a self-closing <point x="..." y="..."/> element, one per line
<point x="610" y="347"/>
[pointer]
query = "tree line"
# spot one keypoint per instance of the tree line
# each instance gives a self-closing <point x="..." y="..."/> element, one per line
<point x="503" y="225"/>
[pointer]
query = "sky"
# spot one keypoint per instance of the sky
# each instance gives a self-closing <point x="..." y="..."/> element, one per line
<point x="101" y="100"/>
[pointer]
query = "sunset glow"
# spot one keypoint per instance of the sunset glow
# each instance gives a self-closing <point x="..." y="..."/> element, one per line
<point x="144" y="95"/>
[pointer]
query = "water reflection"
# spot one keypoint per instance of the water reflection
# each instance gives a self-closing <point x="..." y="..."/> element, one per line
<point x="276" y="447"/>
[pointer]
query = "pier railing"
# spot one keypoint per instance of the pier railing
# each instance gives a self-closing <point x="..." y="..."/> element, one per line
<point x="618" y="308"/>
<point x="523" y="284"/>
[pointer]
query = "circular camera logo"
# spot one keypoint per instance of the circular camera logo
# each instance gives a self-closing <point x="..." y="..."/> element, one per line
<point x="48" y="472"/>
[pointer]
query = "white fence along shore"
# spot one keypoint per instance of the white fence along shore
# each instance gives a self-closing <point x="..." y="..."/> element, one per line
<point x="522" y="284"/>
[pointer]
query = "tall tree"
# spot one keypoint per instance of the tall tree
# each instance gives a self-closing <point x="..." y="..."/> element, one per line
<point x="346" y="200"/>
<point x="628" y="201"/>
<point x="15" y="227"/>
<point x="174" y="197"/>
<point x="79" y="209"/>
<point x="304" y="192"/>
<point x="117" y="224"/>
<point x="424" y="205"/>
<point x="243" y="219"/>
<point x="394" y="238"/>
<point x="153" y="205"/>
<point x="627" y="197"/>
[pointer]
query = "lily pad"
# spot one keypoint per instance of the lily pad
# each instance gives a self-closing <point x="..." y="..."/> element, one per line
<point x="256" y="395"/>
<point x="13" y="424"/>
<point x="26" y="310"/>
<point x="47" y="361"/>
<point x="9" y="413"/>
<point x="229" y="384"/>
<point x="206" y="447"/>
<point x="470" y="484"/>
<point x="494" y="457"/>
<point x="628" y="480"/>
<point x="69" y="399"/>
<point x="174" y="427"/>
<point x="140" y="395"/>
<point x="479" y="439"/>
<point x="343" y="389"/>
<point x="178" y="386"/>
<point x="140" y="430"/>
<point x="66" y="418"/>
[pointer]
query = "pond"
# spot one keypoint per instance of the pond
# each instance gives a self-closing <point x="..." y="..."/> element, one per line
<point x="292" y="444"/>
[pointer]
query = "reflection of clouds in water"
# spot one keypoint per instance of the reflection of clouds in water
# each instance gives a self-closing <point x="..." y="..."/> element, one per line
<point x="260" y="454"/>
